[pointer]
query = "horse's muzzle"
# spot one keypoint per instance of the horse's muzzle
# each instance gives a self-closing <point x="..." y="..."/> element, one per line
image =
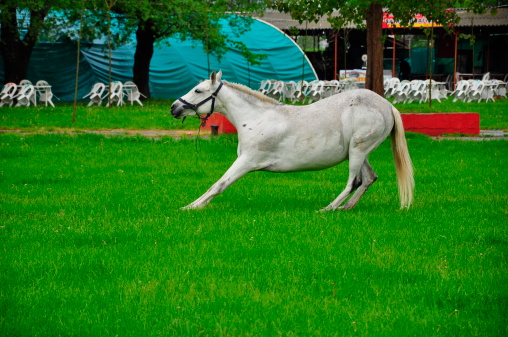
<point x="177" y="109"/>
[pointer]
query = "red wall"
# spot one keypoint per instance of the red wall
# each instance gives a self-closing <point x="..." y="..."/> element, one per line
<point x="432" y="124"/>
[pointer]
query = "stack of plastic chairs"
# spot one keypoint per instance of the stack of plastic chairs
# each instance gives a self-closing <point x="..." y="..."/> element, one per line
<point x="302" y="87"/>
<point x="316" y="91"/>
<point x="390" y="86"/>
<point x="266" y="87"/>
<point x="96" y="94"/>
<point x="476" y="91"/>
<point x="416" y="91"/>
<point x="460" y="92"/>
<point x="277" y="91"/>
<point x="401" y="92"/>
<point x="26" y="94"/>
<point x="333" y="88"/>
<point x="115" y="94"/>
<point x="7" y="94"/>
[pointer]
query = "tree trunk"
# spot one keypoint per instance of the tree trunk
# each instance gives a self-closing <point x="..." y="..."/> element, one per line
<point x="145" y="38"/>
<point x="374" y="18"/>
<point x="16" y="52"/>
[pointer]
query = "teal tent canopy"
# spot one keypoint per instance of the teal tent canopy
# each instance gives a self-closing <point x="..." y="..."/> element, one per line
<point x="175" y="68"/>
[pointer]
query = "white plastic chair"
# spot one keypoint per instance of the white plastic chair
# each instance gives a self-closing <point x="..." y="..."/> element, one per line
<point x="33" y="96"/>
<point x="391" y="87"/>
<point x="416" y="91"/>
<point x="7" y="94"/>
<point x="476" y="92"/>
<point x="449" y="82"/>
<point x="316" y="91"/>
<point x="500" y="89"/>
<point x="490" y="88"/>
<point x="132" y="92"/>
<point x="115" y="94"/>
<point x="302" y="87"/>
<point x="460" y="93"/>
<point x="435" y="90"/>
<point x="333" y="88"/>
<point x="266" y="87"/>
<point x="289" y="90"/>
<point x="43" y="89"/>
<point x="402" y="92"/>
<point x="96" y="94"/>
<point x="25" y="95"/>
<point x="277" y="91"/>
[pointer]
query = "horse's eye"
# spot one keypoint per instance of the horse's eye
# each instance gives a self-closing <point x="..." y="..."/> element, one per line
<point x="197" y="91"/>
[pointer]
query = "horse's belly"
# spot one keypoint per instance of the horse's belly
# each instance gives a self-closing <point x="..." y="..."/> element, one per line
<point x="306" y="154"/>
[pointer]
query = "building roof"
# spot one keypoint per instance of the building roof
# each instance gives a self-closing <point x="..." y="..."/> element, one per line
<point x="484" y="20"/>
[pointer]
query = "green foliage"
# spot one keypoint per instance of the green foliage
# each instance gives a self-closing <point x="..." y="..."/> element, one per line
<point x="93" y="243"/>
<point x="343" y="12"/>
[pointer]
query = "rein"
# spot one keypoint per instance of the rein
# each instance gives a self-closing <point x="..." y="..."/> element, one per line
<point x="195" y="107"/>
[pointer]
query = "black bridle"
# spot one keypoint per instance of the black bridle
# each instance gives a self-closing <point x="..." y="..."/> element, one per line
<point x="195" y="107"/>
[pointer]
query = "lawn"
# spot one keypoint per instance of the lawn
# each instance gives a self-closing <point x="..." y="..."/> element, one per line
<point x="93" y="242"/>
<point x="156" y="115"/>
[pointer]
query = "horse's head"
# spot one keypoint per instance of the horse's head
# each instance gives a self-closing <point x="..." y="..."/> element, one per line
<point x="200" y="100"/>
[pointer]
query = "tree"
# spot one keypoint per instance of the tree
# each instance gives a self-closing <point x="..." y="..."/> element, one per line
<point x="369" y="14"/>
<point x="153" y="21"/>
<point x="22" y="22"/>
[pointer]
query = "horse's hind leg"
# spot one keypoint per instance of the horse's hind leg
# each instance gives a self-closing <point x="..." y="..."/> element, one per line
<point x="354" y="181"/>
<point x="361" y="177"/>
<point x="367" y="178"/>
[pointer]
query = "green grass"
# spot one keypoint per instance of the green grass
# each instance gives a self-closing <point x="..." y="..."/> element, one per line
<point x="155" y="115"/>
<point x="92" y="243"/>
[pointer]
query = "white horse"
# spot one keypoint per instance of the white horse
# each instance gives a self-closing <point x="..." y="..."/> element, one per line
<point x="282" y="138"/>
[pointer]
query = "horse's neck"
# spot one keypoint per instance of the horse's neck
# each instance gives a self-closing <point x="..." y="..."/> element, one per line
<point x="241" y="107"/>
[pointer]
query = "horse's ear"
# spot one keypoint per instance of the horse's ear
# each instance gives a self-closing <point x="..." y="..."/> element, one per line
<point x="218" y="76"/>
<point x="212" y="76"/>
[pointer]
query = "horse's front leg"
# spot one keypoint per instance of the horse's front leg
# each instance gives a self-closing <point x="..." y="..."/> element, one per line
<point x="239" y="168"/>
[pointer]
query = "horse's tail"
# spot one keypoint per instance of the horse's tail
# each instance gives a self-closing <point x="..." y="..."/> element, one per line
<point x="403" y="165"/>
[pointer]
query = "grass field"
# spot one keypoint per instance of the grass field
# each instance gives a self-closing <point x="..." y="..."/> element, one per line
<point x="93" y="242"/>
<point x="155" y="115"/>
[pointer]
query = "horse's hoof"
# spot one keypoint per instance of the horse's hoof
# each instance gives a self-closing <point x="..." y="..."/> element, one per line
<point x="192" y="206"/>
<point x="187" y="208"/>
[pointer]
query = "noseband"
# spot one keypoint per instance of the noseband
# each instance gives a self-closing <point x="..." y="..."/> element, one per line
<point x="195" y="107"/>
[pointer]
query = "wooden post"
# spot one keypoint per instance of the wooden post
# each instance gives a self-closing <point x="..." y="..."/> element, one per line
<point x="335" y="56"/>
<point x="455" y="60"/>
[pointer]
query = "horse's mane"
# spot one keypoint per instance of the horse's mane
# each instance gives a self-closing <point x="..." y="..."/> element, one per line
<point x="251" y="92"/>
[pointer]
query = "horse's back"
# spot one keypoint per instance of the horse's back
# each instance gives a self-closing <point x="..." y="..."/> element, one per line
<point x="347" y="111"/>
